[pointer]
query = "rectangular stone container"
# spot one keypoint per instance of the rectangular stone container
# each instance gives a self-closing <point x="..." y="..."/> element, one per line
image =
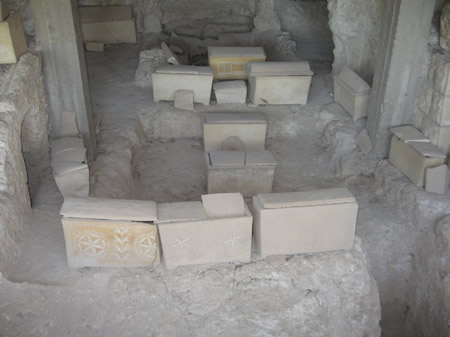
<point x="109" y="233"/>
<point x="12" y="39"/>
<point x="279" y="82"/>
<point x="204" y="239"/>
<point x="304" y="222"/>
<point x="229" y="62"/>
<point x="248" y="173"/>
<point x="249" y="127"/>
<point x="352" y="92"/>
<point x="169" y="79"/>
<point x="108" y="24"/>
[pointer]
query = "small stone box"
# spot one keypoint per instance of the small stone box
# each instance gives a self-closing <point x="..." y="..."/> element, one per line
<point x="249" y="127"/>
<point x="167" y="80"/>
<point x="229" y="62"/>
<point x="12" y="39"/>
<point x="352" y="92"/>
<point x="412" y="153"/>
<point x="279" y="82"/>
<point x="248" y="173"/>
<point x="108" y="24"/>
<point x="110" y="232"/>
<point x="230" y="92"/>
<point x="304" y="222"/>
<point x="218" y="229"/>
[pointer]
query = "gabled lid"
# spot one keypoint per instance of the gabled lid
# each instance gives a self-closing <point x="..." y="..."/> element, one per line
<point x="105" y="14"/>
<point x="109" y="209"/>
<point x="190" y="70"/>
<point x="279" y="68"/>
<point x="427" y="149"/>
<point x="352" y="81"/>
<point x="302" y="199"/>
<point x="227" y="158"/>
<point x="409" y="133"/>
<point x="236" y="52"/>
<point x="234" y="118"/>
<point x="262" y="158"/>
<point x="181" y="211"/>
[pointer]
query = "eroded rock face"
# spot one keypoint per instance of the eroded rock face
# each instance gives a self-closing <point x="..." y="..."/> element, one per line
<point x="266" y="17"/>
<point x="445" y="28"/>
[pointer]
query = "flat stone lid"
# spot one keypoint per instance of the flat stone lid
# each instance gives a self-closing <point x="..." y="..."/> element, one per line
<point x="223" y="205"/>
<point x="427" y="150"/>
<point x="228" y="85"/>
<point x="302" y="199"/>
<point x="71" y="155"/>
<point x="66" y="143"/>
<point x="351" y="80"/>
<point x="181" y="211"/>
<point x="63" y="167"/>
<point x="234" y="118"/>
<point x="409" y="133"/>
<point x="227" y="158"/>
<point x="279" y="68"/>
<point x="105" y="13"/>
<point x="236" y="52"/>
<point x="190" y="70"/>
<point x="260" y="158"/>
<point x="109" y="209"/>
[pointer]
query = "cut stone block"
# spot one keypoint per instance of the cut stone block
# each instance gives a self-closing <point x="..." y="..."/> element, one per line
<point x="437" y="179"/>
<point x="4" y="11"/>
<point x="12" y="39"/>
<point x="223" y="205"/>
<point x="207" y="241"/>
<point x="363" y="141"/>
<point x="110" y="209"/>
<point x="304" y="224"/>
<point x="249" y="127"/>
<point x="279" y="82"/>
<point x="439" y="135"/>
<point x="169" y="79"/>
<point x="230" y="92"/>
<point x="108" y="24"/>
<point x="352" y="92"/>
<point x="170" y="56"/>
<point x="94" y="46"/>
<point x="184" y="100"/>
<point x="227" y="174"/>
<point x="229" y="62"/>
<point x="413" y="158"/>
<point x="69" y="127"/>
<point x="72" y="179"/>
<point x="181" y="211"/>
<point x="105" y="243"/>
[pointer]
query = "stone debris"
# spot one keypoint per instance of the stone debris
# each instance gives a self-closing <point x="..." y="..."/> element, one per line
<point x="363" y="141"/>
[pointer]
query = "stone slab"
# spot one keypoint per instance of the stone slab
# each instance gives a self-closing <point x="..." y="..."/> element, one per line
<point x="74" y="183"/>
<point x="409" y="133"/>
<point x="352" y="82"/>
<point x="4" y="11"/>
<point x="94" y="46"/>
<point x="165" y="85"/>
<point x="257" y="158"/>
<point x="12" y="39"/>
<point x="170" y="55"/>
<point x="181" y="211"/>
<point x="437" y="179"/>
<point x="185" y="70"/>
<point x="279" y="68"/>
<point x="184" y="100"/>
<point x="307" y="229"/>
<point x="207" y="241"/>
<point x="62" y="167"/>
<point x="76" y="155"/>
<point x="229" y="62"/>
<point x="109" y="32"/>
<point x="410" y="161"/>
<point x="249" y="128"/>
<point x="66" y="143"/>
<point x="227" y="158"/>
<point x="102" y="243"/>
<point x="109" y="209"/>
<point x="223" y="205"/>
<point x="69" y="126"/>
<point x="230" y="92"/>
<point x="278" y="89"/>
<point x="363" y="141"/>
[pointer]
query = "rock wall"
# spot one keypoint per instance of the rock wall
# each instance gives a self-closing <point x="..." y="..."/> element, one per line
<point x="23" y="135"/>
<point x="356" y="27"/>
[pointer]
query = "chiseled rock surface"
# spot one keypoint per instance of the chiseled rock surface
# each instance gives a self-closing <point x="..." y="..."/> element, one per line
<point x="330" y="294"/>
<point x="445" y="28"/>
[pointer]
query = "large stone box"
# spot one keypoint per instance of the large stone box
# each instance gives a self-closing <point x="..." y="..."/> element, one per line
<point x="110" y="233"/>
<point x="12" y="39"/>
<point x="229" y="62"/>
<point x="412" y="153"/>
<point x="304" y="222"/>
<point x="167" y="80"/>
<point x="248" y="173"/>
<point x="279" y="82"/>
<point x="352" y="92"/>
<point x="249" y="127"/>
<point x="192" y="234"/>
<point x="108" y="24"/>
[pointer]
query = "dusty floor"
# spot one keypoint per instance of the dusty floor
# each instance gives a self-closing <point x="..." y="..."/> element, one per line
<point x="171" y="170"/>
